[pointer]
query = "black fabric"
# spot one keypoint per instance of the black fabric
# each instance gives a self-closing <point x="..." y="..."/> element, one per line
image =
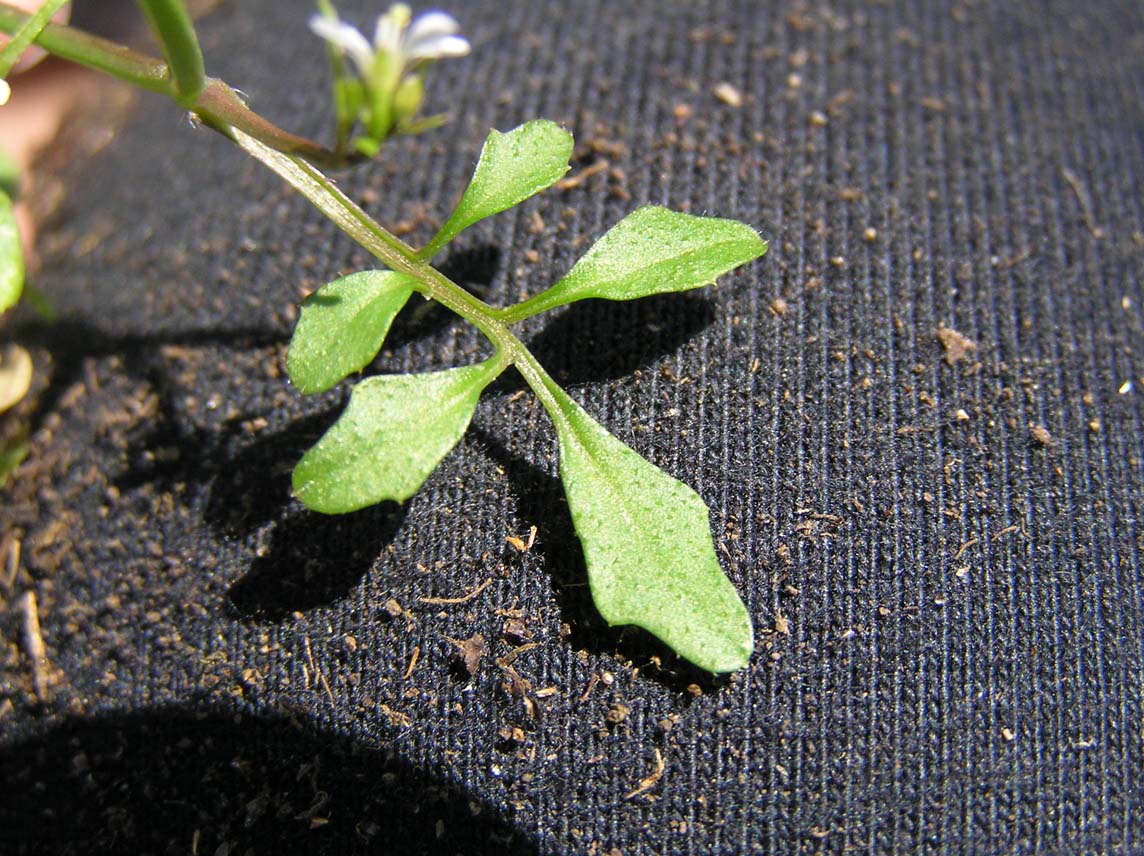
<point x="941" y="550"/>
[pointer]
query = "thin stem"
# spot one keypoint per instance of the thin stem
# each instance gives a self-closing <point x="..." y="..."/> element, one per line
<point x="27" y="34"/>
<point x="172" y="24"/>
<point x="399" y="256"/>
<point x="391" y="250"/>
<point x="527" y="308"/>
<point x="91" y="51"/>
<point x="218" y="106"/>
<point x="293" y="158"/>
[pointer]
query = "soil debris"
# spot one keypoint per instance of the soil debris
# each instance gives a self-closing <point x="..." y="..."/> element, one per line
<point x="728" y="94"/>
<point x="10" y="551"/>
<point x="413" y="658"/>
<point x="782" y="624"/>
<point x="522" y="545"/>
<point x="649" y="781"/>
<point x="957" y="346"/>
<point x="440" y="601"/>
<point x="617" y="713"/>
<point x="1085" y="201"/>
<point x="1041" y="436"/>
<point x="34" y="644"/>
<point x="519" y="688"/>
<point x="516" y="631"/>
<point x="15" y="376"/>
<point x="468" y="654"/>
<point x="574" y="181"/>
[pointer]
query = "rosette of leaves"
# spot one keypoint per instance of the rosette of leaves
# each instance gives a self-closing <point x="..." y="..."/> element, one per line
<point x="646" y="536"/>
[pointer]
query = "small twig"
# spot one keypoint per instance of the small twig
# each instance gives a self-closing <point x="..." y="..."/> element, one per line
<point x="413" y="658"/>
<point x="510" y="658"/>
<point x="649" y="781"/>
<point x="1084" y="201"/>
<point x="1006" y="531"/>
<point x="574" y="181"/>
<point x="11" y="552"/>
<point x="34" y="643"/>
<point x="326" y="686"/>
<point x="440" y="601"/>
<point x="965" y="547"/>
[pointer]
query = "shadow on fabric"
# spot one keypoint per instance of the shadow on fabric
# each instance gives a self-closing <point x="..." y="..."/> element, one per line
<point x="175" y="780"/>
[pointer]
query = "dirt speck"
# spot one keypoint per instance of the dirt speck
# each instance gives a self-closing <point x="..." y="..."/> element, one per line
<point x="782" y="624"/>
<point x="617" y="713"/>
<point x="957" y="346"/>
<point x="1041" y="436"/>
<point x="728" y="94"/>
<point x="469" y="653"/>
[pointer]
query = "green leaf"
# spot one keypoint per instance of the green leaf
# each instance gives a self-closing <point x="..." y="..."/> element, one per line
<point x="647" y="544"/>
<point x="651" y="251"/>
<point x="342" y="326"/>
<point x="394" y="432"/>
<point x="513" y="166"/>
<point x="11" y="256"/>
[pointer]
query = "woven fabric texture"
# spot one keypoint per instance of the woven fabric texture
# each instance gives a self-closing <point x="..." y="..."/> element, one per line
<point x="917" y="422"/>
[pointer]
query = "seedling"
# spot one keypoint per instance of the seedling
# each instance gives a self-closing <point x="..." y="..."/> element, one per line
<point x="646" y="536"/>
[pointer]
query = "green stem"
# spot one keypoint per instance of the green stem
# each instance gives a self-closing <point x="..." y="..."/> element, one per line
<point x="91" y="51"/>
<point x="399" y="256"/>
<point x="218" y="106"/>
<point x="294" y="159"/>
<point x="172" y="24"/>
<point x="27" y="34"/>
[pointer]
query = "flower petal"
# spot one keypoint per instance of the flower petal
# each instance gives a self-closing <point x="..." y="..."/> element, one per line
<point x="430" y="26"/>
<point x="438" y="47"/>
<point x="346" y="37"/>
<point x="387" y="35"/>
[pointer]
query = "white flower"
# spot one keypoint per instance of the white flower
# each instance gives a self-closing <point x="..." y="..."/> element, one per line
<point x="430" y="36"/>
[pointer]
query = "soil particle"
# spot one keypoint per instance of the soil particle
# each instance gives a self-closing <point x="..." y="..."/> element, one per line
<point x="1041" y="436"/>
<point x="957" y="347"/>
<point x="469" y="653"/>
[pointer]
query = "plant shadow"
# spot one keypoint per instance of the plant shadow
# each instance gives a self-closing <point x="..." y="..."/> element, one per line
<point x="303" y="560"/>
<point x="187" y="779"/>
<point x="313" y="560"/>
<point x="598" y="340"/>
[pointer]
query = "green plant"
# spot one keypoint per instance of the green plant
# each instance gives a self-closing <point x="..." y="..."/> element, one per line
<point x="646" y="536"/>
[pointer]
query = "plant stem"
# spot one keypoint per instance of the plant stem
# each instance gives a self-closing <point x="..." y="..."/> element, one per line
<point x="27" y="34"/>
<point x="172" y="24"/>
<point x="294" y="158"/>
<point x="84" y="49"/>
<point x="399" y="256"/>
<point x="218" y="106"/>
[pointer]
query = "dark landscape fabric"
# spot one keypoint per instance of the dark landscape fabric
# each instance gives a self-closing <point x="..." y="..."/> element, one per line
<point x="917" y="422"/>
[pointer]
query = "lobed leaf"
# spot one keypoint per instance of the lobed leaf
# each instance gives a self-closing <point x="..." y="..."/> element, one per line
<point x="647" y="544"/>
<point x="11" y="256"/>
<point x="651" y="251"/>
<point x="342" y="326"/>
<point x="513" y="166"/>
<point x="392" y="435"/>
